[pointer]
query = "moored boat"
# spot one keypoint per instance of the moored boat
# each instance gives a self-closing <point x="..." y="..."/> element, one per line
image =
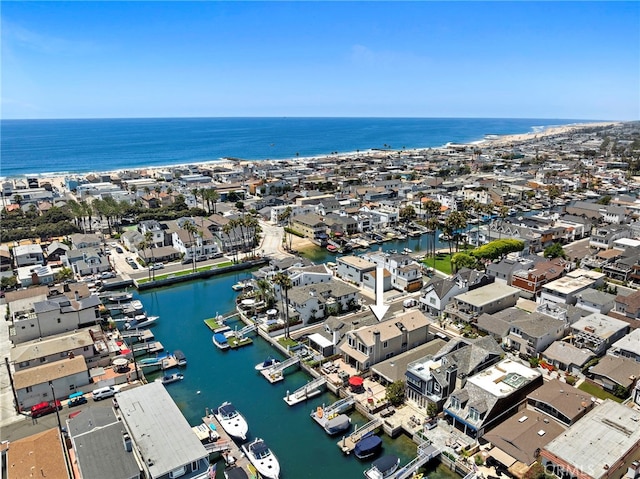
<point x="266" y="364"/>
<point x="220" y="340"/>
<point x="368" y="446"/>
<point x="383" y="467"/>
<point x="235" y="473"/>
<point x="262" y="458"/>
<point x="140" y="321"/>
<point x="180" y="357"/>
<point x="337" y="424"/>
<point x="170" y="378"/>
<point x="241" y="285"/>
<point x="119" y="297"/>
<point x="232" y="421"/>
<point x="136" y="304"/>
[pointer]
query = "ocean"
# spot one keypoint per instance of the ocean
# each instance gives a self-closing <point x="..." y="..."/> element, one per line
<point x="48" y="147"/>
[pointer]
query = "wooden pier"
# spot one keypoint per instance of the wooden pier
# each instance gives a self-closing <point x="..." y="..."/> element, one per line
<point x="348" y="443"/>
<point x="426" y="452"/>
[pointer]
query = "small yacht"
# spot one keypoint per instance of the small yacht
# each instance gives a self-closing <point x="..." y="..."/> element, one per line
<point x="368" y="446"/>
<point x="383" y="467"/>
<point x="170" y="378"/>
<point x="140" y="321"/>
<point x="266" y="364"/>
<point x="220" y="340"/>
<point x="232" y="421"/>
<point x="262" y="458"/>
<point x="241" y="285"/>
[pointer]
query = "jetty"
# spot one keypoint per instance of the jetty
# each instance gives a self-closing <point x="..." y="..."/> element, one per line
<point x="148" y="347"/>
<point x="309" y="390"/>
<point x="426" y="452"/>
<point x="276" y="373"/>
<point x="138" y="335"/>
<point x="348" y="443"/>
<point x="229" y="450"/>
<point x="322" y="414"/>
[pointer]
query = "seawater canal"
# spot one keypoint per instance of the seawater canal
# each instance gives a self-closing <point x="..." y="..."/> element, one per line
<point x="213" y="376"/>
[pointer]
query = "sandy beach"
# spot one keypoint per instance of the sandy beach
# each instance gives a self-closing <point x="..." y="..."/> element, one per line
<point x="510" y="140"/>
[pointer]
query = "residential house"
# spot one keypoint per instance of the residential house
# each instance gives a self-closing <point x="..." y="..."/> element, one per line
<point x="406" y="274"/>
<point x="567" y="288"/>
<point x="353" y="268"/>
<point x="42" y="453"/>
<point x="28" y="255"/>
<point x="86" y="261"/>
<point x="155" y="231"/>
<point x="504" y="270"/>
<point x="82" y="240"/>
<point x="562" y="402"/>
<point x="366" y="346"/>
<point x="308" y="275"/>
<point x="598" y="332"/>
<point x="37" y="274"/>
<point x="530" y="281"/>
<point x="102" y="446"/>
<point x="161" y="454"/>
<point x="604" y="236"/>
<point x="317" y="301"/>
<point x="33" y="385"/>
<point x="430" y="379"/>
<point x="615" y="373"/>
<point x="55" y="315"/>
<point x="311" y="226"/>
<point x="438" y="292"/>
<point x="467" y="307"/>
<point x="567" y="357"/>
<point x="595" y="301"/>
<point x="200" y="244"/>
<point x="628" y="308"/>
<point x="5" y="258"/>
<point x="132" y="239"/>
<point x="627" y="346"/>
<point x="55" y="251"/>
<point x="490" y="396"/>
<point x="603" y="444"/>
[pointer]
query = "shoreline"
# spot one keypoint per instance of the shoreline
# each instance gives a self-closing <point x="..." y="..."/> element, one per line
<point x="500" y="141"/>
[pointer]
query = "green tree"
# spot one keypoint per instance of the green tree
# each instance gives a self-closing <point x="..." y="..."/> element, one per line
<point x="64" y="274"/>
<point x="407" y="213"/>
<point x="555" y="251"/>
<point x="394" y="393"/>
<point x="284" y="281"/>
<point x="463" y="260"/>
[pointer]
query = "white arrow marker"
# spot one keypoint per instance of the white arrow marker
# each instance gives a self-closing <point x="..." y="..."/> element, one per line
<point x="379" y="309"/>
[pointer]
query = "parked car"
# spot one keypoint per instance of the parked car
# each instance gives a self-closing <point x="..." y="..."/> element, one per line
<point x="119" y="250"/>
<point x="107" y="275"/>
<point x="103" y="393"/>
<point x="157" y="266"/>
<point x="77" y="398"/>
<point x="44" y="408"/>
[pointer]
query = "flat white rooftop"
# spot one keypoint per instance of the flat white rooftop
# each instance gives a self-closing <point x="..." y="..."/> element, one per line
<point x="504" y="378"/>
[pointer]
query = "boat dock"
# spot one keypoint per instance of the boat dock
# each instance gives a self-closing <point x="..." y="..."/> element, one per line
<point x="426" y="452"/>
<point x="156" y="364"/>
<point x="149" y="347"/>
<point x="276" y="373"/>
<point x="348" y="443"/>
<point x="309" y="390"/>
<point x="322" y="414"/>
<point x="230" y="451"/>
<point x="138" y="335"/>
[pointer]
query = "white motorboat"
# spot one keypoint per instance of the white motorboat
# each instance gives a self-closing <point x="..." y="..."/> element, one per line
<point x="220" y="340"/>
<point x="170" y="378"/>
<point x="232" y="421"/>
<point x="262" y="458"/>
<point x="266" y="364"/>
<point x="140" y="321"/>
<point x="119" y="297"/>
<point x="137" y="305"/>
<point x="241" y="285"/>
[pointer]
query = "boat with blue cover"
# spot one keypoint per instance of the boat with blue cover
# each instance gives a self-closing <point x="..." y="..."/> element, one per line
<point x="220" y="340"/>
<point x="368" y="446"/>
<point x="382" y="467"/>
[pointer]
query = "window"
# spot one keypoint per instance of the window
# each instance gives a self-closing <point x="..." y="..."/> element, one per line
<point x="194" y="466"/>
<point x="72" y="387"/>
<point x="42" y="360"/>
<point x="59" y="320"/>
<point x="455" y="403"/>
<point x="86" y="348"/>
<point x="385" y="344"/>
<point x="24" y="364"/>
<point x="178" y="472"/>
<point x="29" y="389"/>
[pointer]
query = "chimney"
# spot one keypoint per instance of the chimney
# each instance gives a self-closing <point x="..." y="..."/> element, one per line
<point x="126" y="440"/>
<point x="76" y="295"/>
<point x="451" y="375"/>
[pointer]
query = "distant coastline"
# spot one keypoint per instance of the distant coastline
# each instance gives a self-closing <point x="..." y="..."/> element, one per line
<point x="79" y="147"/>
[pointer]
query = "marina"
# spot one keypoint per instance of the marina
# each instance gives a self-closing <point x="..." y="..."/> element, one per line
<point x="204" y="387"/>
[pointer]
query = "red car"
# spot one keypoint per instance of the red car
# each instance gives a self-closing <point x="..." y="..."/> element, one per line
<point x="44" y="408"/>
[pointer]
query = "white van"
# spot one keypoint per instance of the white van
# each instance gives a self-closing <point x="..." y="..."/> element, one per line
<point x="103" y="393"/>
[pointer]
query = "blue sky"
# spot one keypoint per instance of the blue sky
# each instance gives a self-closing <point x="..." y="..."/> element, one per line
<point x="363" y="59"/>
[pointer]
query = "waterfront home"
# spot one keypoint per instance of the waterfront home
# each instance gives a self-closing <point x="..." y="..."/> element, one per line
<point x="307" y="275"/>
<point x="44" y="452"/>
<point x="161" y="455"/>
<point x="490" y="396"/>
<point x="598" y="332"/>
<point x="395" y="368"/>
<point x="33" y="385"/>
<point x="310" y="225"/>
<point x="54" y="315"/>
<point x="156" y="232"/>
<point x="432" y="378"/>
<point x="567" y="357"/>
<point x="353" y="268"/>
<point x="28" y="255"/>
<point x="627" y="346"/>
<point x="494" y="297"/>
<point x="200" y="243"/>
<point x="102" y="447"/>
<point x="317" y="301"/>
<point x="603" y="444"/>
<point x="368" y="345"/>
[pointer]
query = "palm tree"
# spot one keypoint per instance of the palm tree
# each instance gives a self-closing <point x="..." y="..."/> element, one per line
<point x="504" y="212"/>
<point x="265" y="291"/>
<point x="148" y="237"/>
<point x="283" y="280"/>
<point x="190" y="228"/>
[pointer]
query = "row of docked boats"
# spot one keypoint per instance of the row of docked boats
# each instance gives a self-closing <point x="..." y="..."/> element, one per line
<point x="257" y="451"/>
